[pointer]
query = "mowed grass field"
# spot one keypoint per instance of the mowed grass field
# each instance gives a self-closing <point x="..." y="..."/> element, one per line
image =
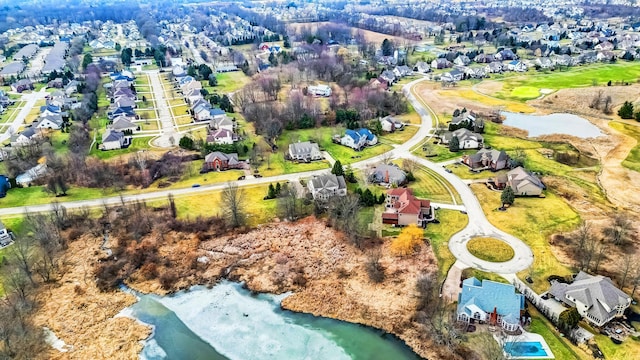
<point x="633" y="159"/>
<point x="526" y="87"/>
<point x="533" y="220"/>
<point x="451" y="222"/>
<point x="431" y="186"/>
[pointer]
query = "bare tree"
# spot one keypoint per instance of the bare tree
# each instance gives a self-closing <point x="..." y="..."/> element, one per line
<point x="489" y="347"/>
<point x="233" y="202"/>
<point x="409" y="165"/>
<point x="607" y="105"/>
<point x="620" y="230"/>
<point x="343" y="214"/>
<point x="625" y="268"/>
<point x="596" y="101"/>
<point x="289" y="204"/>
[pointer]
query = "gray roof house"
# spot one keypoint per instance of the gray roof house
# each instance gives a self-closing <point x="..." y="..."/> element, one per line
<point x="466" y="139"/>
<point x="389" y="174"/>
<point x="304" y="151"/>
<point x="122" y="123"/>
<point x="491" y="159"/>
<point x="324" y="187"/>
<point x="596" y="298"/>
<point x="524" y="183"/>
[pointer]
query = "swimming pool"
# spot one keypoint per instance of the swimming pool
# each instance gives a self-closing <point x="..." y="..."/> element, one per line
<point x="527" y="349"/>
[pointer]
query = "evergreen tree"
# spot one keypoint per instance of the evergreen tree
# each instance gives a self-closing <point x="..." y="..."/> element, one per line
<point x="278" y="189"/>
<point x="225" y="104"/>
<point x="387" y="47"/>
<point x="88" y="59"/>
<point x="271" y="193"/>
<point x="213" y="81"/>
<point x="626" y="111"/>
<point x="382" y="198"/>
<point x="508" y="196"/>
<point x="338" y="169"/>
<point x="454" y="144"/>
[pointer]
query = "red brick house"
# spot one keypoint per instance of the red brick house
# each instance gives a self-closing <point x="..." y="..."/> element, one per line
<point x="402" y="208"/>
<point x="220" y="161"/>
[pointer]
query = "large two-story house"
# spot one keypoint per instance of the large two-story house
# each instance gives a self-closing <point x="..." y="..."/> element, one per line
<point x="304" y="151"/>
<point x="402" y="209"/>
<point x="324" y="187"/>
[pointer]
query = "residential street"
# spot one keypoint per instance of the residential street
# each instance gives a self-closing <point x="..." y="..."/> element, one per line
<point x="31" y="100"/>
<point x="169" y="136"/>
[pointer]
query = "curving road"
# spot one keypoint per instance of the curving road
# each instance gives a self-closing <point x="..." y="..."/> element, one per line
<point x="478" y="224"/>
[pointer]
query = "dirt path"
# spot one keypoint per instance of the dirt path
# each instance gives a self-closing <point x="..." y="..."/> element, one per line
<point x="621" y="185"/>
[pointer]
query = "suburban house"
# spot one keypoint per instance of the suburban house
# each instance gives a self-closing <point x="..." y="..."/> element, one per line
<point x="22" y="85"/>
<point x="521" y="181"/>
<point x="220" y="161"/>
<point x="304" y="151"/>
<point x="26" y="137"/>
<point x="222" y="136"/>
<point x="5" y="236"/>
<point x="25" y="179"/>
<point x="467" y="139"/>
<point x="462" y="60"/>
<point x="596" y="298"/>
<point x="5" y="185"/>
<point x="357" y="139"/>
<point x="453" y="75"/>
<point x="387" y="174"/>
<point x="202" y="112"/>
<point x="516" y="65"/>
<point x="490" y="302"/>
<point x="441" y="63"/>
<point x="114" y="140"/>
<point x="50" y="121"/>
<point x="122" y="123"/>
<point x="402" y="209"/>
<point x="324" y="187"/>
<point x="490" y="159"/>
<point x="121" y="111"/>
<point x="466" y="119"/>
<point x="422" y="67"/>
<point x="387" y="76"/>
<point x="319" y="90"/>
<point x="494" y="67"/>
<point x="391" y="124"/>
<point x="222" y="122"/>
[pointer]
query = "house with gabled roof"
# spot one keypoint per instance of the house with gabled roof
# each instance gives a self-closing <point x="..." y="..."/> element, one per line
<point x="222" y="136"/>
<point x="220" y="161"/>
<point x="357" y="139"/>
<point x="441" y="63"/>
<point x="596" y="298"/>
<point x="466" y="139"/>
<point x="114" y="140"/>
<point x="324" y="187"/>
<point x="222" y="122"/>
<point x="490" y="302"/>
<point x="304" y="151"/>
<point x="390" y="124"/>
<point x="387" y="174"/>
<point x="402" y="208"/>
<point x="49" y="121"/>
<point x="123" y="123"/>
<point x="521" y="181"/>
<point x="489" y="159"/>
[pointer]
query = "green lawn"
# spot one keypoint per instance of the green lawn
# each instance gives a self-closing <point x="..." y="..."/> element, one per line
<point x="400" y="136"/>
<point x="429" y="185"/>
<point x="148" y="125"/>
<point x="228" y="82"/>
<point x="136" y="144"/>
<point x="533" y="220"/>
<point x="37" y="195"/>
<point x="59" y="140"/>
<point x="633" y="159"/>
<point x="627" y="350"/>
<point x="192" y="176"/>
<point x="525" y="87"/>
<point x="323" y="137"/>
<point x="451" y="222"/>
<point x="464" y="172"/>
<point x="441" y="152"/>
<point x="277" y="165"/>
<point x="490" y="249"/>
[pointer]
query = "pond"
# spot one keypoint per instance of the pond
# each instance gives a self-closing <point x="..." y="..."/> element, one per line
<point x="229" y="322"/>
<point x="558" y="123"/>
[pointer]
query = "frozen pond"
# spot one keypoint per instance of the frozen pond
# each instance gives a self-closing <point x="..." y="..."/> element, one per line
<point x="558" y="123"/>
<point x="228" y="322"/>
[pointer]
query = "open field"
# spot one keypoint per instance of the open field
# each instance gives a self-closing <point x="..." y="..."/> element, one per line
<point x="400" y="136"/>
<point x="464" y="172"/>
<point x="490" y="249"/>
<point x="277" y="165"/>
<point x="370" y="36"/>
<point x="137" y="144"/>
<point x="228" y="82"/>
<point x="528" y="86"/>
<point x="438" y="153"/>
<point x="36" y="195"/>
<point x="633" y="159"/>
<point x="533" y="220"/>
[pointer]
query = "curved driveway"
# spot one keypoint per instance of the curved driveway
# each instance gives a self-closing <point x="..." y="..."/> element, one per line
<point x="478" y="223"/>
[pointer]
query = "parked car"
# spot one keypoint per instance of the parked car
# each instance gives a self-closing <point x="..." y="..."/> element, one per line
<point x="195" y="185"/>
<point x="257" y="176"/>
<point x="242" y="177"/>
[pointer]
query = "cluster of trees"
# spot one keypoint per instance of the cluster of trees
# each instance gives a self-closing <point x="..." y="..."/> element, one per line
<point x="603" y="103"/>
<point x="33" y="262"/>
<point x="626" y="111"/>
<point x="410" y="238"/>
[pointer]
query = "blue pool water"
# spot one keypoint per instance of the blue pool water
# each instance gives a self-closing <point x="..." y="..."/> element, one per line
<point x="525" y="349"/>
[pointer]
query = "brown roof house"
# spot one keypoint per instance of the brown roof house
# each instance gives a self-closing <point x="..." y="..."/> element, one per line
<point x="402" y="208"/>
<point x="220" y="161"/>
<point x="489" y="159"/>
<point x="596" y="298"/>
<point x="522" y="182"/>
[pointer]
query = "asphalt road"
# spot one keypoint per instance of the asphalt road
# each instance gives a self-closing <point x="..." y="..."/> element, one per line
<point x="31" y="99"/>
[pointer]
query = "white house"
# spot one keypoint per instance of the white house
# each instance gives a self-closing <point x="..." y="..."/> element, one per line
<point x="25" y="179"/>
<point x="466" y="139"/>
<point x="390" y="124"/>
<point x="596" y="298"/>
<point x="49" y="122"/>
<point x="113" y="140"/>
<point x="357" y="139"/>
<point x="222" y="136"/>
<point x="324" y="187"/>
<point x="319" y="90"/>
<point x="305" y="151"/>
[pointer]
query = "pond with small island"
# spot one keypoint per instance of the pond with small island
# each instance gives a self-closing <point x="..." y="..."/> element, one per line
<point x="558" y="123"/>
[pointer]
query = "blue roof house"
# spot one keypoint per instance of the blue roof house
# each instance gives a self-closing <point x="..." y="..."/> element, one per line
<point x="490" y="301"/>
<point x="353" y="140"/>
<point x="371" y="138"/>
<point x="5" y="185"/>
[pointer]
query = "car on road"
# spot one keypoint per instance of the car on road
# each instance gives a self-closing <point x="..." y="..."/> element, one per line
<point x="448" y="170"/>
<point x="195" y="185"/>
<point x="257" y="176"/>
<point x="242" y="177"/>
